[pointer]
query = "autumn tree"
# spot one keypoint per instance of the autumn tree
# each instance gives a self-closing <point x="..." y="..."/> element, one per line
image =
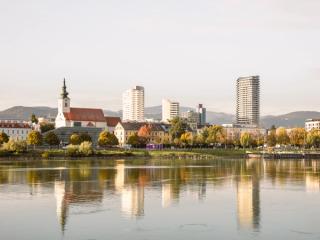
<point x="4" y="138"/>
<point x="313" y="138"/>
<point x="186" y="138"/>
<point x="282" y="136"/>
<point x="34" y="138"/>
<point x="216" y="134"/>
<point x="85" y="137"/>
<point x="75" y="139"/>
<point x="145" y="132"/>
<point x="272" y="138"/>
<point x="246" y="140"/>
<point x="298" y="137"/>
<point x="107" y="139"/>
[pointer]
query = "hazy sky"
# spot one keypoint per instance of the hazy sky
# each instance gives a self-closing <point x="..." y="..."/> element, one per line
<point x="189" y="51"/>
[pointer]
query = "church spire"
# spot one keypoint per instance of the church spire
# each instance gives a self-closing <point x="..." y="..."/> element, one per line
<point x="64" y="93"/>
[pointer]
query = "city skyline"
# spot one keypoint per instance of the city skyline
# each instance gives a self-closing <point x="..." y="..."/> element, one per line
<point x="193" y="53"/>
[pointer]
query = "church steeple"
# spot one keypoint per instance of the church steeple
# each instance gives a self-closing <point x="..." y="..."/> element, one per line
<point x="64" y="93"/>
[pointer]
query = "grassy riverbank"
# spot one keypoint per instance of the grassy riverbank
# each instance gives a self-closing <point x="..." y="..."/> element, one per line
<point x="120" y="153"/>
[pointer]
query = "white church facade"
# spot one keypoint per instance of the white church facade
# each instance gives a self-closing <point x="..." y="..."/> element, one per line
<point x="78" y="117"/>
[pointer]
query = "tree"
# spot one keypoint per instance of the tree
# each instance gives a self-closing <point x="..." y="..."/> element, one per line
<point x="145" y="132"/>
<point x="246" y="140"/>
<point x="85" y="148"/>
<point x="298" y="137"/>
<point x="272" y="138"/>
<point x="34" y="138"/>
<point x="34" y="119"/>
<point x="46" y="127"/>
<point x="216" y="134"/>
<point x="134" y="140"/>
<point x="313" y="138"/>
<point x="4" y="138"/>
<point x="51" y="139"/>
<point x="282" y="136"/>
<point x="85" y="137"/>
<point x="75" y="139"/>
<point x="186" y="138"/>
<point x="107" y="139"/>
<point x="177" y="128"/>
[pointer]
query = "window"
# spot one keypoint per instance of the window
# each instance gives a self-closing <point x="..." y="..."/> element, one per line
<point x="77" y="124"/>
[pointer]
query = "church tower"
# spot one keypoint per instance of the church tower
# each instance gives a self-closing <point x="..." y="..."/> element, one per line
<point x="64" y="100"/>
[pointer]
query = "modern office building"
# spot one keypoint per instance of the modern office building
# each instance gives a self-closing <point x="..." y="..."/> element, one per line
<point x="170" y="110"/>
<point x="202" y="114"/>
<point x="248" y="100"/>
<point x="192" y="119"/>
<point x="133" y="104"/>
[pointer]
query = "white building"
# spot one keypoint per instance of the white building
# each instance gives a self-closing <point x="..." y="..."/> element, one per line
<point x="15" y="130"/>
<point x="312" y="124"/>
<point x="77" y="117"/>
<point x="248" y="100"/>
<point x="133" y="104"/>
<point x="234" y="131"/>
<point x="170" y="110"/>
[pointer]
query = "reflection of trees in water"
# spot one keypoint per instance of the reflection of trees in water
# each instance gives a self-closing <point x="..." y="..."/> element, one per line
<point x="86" y="181"/>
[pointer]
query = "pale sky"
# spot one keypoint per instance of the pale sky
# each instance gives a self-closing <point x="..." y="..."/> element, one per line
<point x="191" y="51"/>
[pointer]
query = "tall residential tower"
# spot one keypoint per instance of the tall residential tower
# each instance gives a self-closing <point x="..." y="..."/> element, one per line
<point x="170" y="110"/>
<point x="248" y="100"/>
<point x="133" y="104"/>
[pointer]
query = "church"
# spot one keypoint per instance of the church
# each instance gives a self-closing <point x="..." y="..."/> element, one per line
<point x="78" y="117"/>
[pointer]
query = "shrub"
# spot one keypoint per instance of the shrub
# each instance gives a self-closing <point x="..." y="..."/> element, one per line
<point x="45" y="155"/>
<point x="73" y="150"/>
<point x="3" y="138"/>
<point x="85" y="137"/>
<point x="107" y="139"/>
<point x="15" y="146"/>
<point x="86" y="149"/>
<point x="51" y="139"/>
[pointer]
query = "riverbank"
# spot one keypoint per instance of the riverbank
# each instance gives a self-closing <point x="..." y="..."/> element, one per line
<point x="136" y="153"/>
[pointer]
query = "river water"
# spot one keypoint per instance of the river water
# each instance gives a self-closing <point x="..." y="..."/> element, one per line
<point x="160" y="199"/>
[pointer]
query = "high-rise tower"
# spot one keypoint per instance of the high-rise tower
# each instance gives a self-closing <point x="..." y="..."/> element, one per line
<point x="248" y="100"/>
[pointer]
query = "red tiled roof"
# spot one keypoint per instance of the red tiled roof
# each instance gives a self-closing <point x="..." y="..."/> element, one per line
<point x="14" y="125"/>
<point x="112" y="121"/>
<point x="85" y="114"/>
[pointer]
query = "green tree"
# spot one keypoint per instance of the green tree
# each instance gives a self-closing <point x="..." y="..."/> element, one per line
<point x="282" y="136"/>
<point x="46" y="127"/>
<point x="4" y="138"/>
<point x="85" y="137"/>
<point x="51" y="139"/>
<point x="134" y="140"/>
<point x="246" y="140"/>
<point x="107" y="139"/>
<point x="34" y="119"/>
<point x="75" y="139"/>
<point x="177" y="127"/>
<point x="34" y="138"/>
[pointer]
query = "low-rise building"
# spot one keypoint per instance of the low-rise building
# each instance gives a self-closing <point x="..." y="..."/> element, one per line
<point x="15" y="130"/>
<point x="159" y="131"/>
<point x="234" y="131"/>
<point x="112" y="123"/>
<point x="192" y="119"/>
<point x="312" y="124"/>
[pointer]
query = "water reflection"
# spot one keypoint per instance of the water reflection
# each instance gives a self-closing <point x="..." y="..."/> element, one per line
<point x="86" y="182"/>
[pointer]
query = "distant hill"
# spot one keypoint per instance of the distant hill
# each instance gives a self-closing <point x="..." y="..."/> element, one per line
<point x="293" y="119"/>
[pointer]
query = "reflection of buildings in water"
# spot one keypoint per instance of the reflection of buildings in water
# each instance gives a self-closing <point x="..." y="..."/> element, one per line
<point x="62" y="211"/>
<point x="197" y="191"/>
<point x="312" y="183"/>
<point x="132" y="200"/>
<point x="167" y="195"/>
<point x="248" y="201"/>
<point x="120" y="176"/>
